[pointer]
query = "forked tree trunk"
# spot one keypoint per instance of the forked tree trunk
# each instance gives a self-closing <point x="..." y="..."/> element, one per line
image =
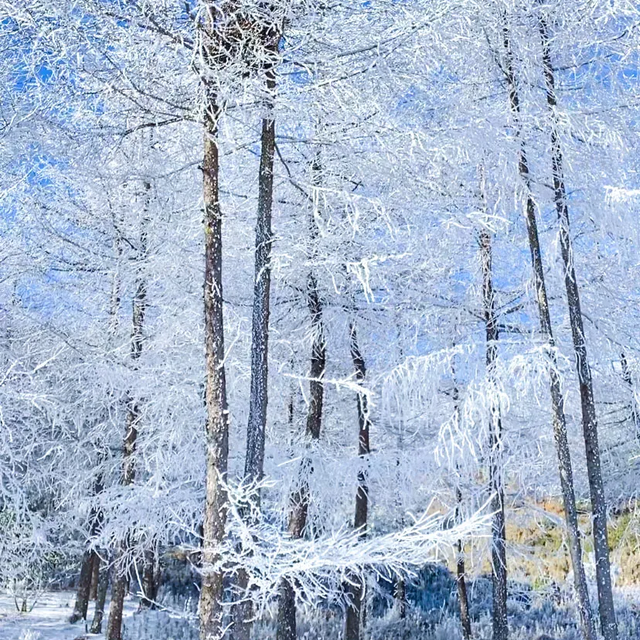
<point x="89" y="561"/>
<point x="299" y="502"/>
<point x="587" y="401"/>
<point x="355" y="588"/>
<point x="254" y="461"/>
<point x="559" y="420"/>
<point x="103" y="584"/>
<point x="217" y="421"/>
<point x="121" y="576"/>
<point x="498" y="530"/>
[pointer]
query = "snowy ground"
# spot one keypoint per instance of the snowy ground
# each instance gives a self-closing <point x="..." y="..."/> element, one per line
<point x="48" y="619"/>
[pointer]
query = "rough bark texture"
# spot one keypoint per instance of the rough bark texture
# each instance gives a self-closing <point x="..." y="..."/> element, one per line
<point x="254" y="460"/>
<point x="217" y="424"/>
<point x="299" y="502"/>
<point x="355" y="589"/>
<point x="498" y="530"/>
<point x="587" y="401"/>
<point x="121" y="577"/>
<point x="559" y="420"/>
<point x="103" y="584"/>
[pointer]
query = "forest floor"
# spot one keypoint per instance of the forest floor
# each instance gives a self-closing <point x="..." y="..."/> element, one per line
<point x="48" y="620"/>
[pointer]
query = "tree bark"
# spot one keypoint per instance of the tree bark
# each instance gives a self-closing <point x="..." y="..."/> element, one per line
<point x="149" y="580"/>
<point x="498" y="530"/>
<point x="217" y="421"/>
<point x="355" y="588"/>
<point x="587" y="401"/>
<point x="89" y="560"/>
<point x="95" y="577"/>
<point x="254" y="461"/>
<point x="103" y="584"/>
<point x="299" y="502"/>
<point x="84" y="587"/>
<point x="139" y="307"/>
<point x="557" y="402"/>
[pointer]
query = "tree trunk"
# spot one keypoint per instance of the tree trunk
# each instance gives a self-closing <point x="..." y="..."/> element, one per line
<point x="559" y="420"/>
<point x="118" y="592"/>
<point x="84" y="587"/>
<point x="355" y="588"/>
<point x="121" y="575"/>
<point x="498" y="546"/>
<point x="461" y="583"/>
<point x="254" y="461"/>
<point x="89" y="560"/>
<point x="103" y="584"/>
<point x="149" y="580"/>
<point x="299" y="502"/>
<point x="95" y="577"/>
<point x="217" y="422"/>
<point x="587" y="401"/>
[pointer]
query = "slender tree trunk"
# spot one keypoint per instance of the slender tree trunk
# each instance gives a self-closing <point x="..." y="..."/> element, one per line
<point x="587" y="401"/>
<point x="149" y="579"/>
<point x="217" y="422"/>
<point x="84" y="587"/>
<point x="461" y="581"/>
<point x="121" y="577"/>
<point x="498" y="530"/>
<point x="103" y="584"/>
<point x="95" y="577"/>
<point x="254" y="461"/>
<point x="299" y="502"/>
<point x="557" y="402"/>
<point x="89" y="560"/>
<point x="355" y="589"/>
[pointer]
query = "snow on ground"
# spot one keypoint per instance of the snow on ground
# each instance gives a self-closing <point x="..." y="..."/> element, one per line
<point x="49" y="618"/>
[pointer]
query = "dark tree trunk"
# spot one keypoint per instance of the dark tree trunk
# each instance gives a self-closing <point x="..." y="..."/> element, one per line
<point x="103" y="584"/>
<point x="559" y="420"/>
<point x="589" y="418"/>
<point x="118" y="593"/>
<point x="217" y="421"/>
<point x="95" y="577"/>
<point x="355" y="588"/>
<point x="121" y="577"/>
<point x="498" y="546"/>
<point x="461" y="580"/>
<point x="89" y="560"/>
<point x="84" y="587"/>
<point x="150" y="576"/>
<point x="299" y="503"/>
<point x="254" y="461"/>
